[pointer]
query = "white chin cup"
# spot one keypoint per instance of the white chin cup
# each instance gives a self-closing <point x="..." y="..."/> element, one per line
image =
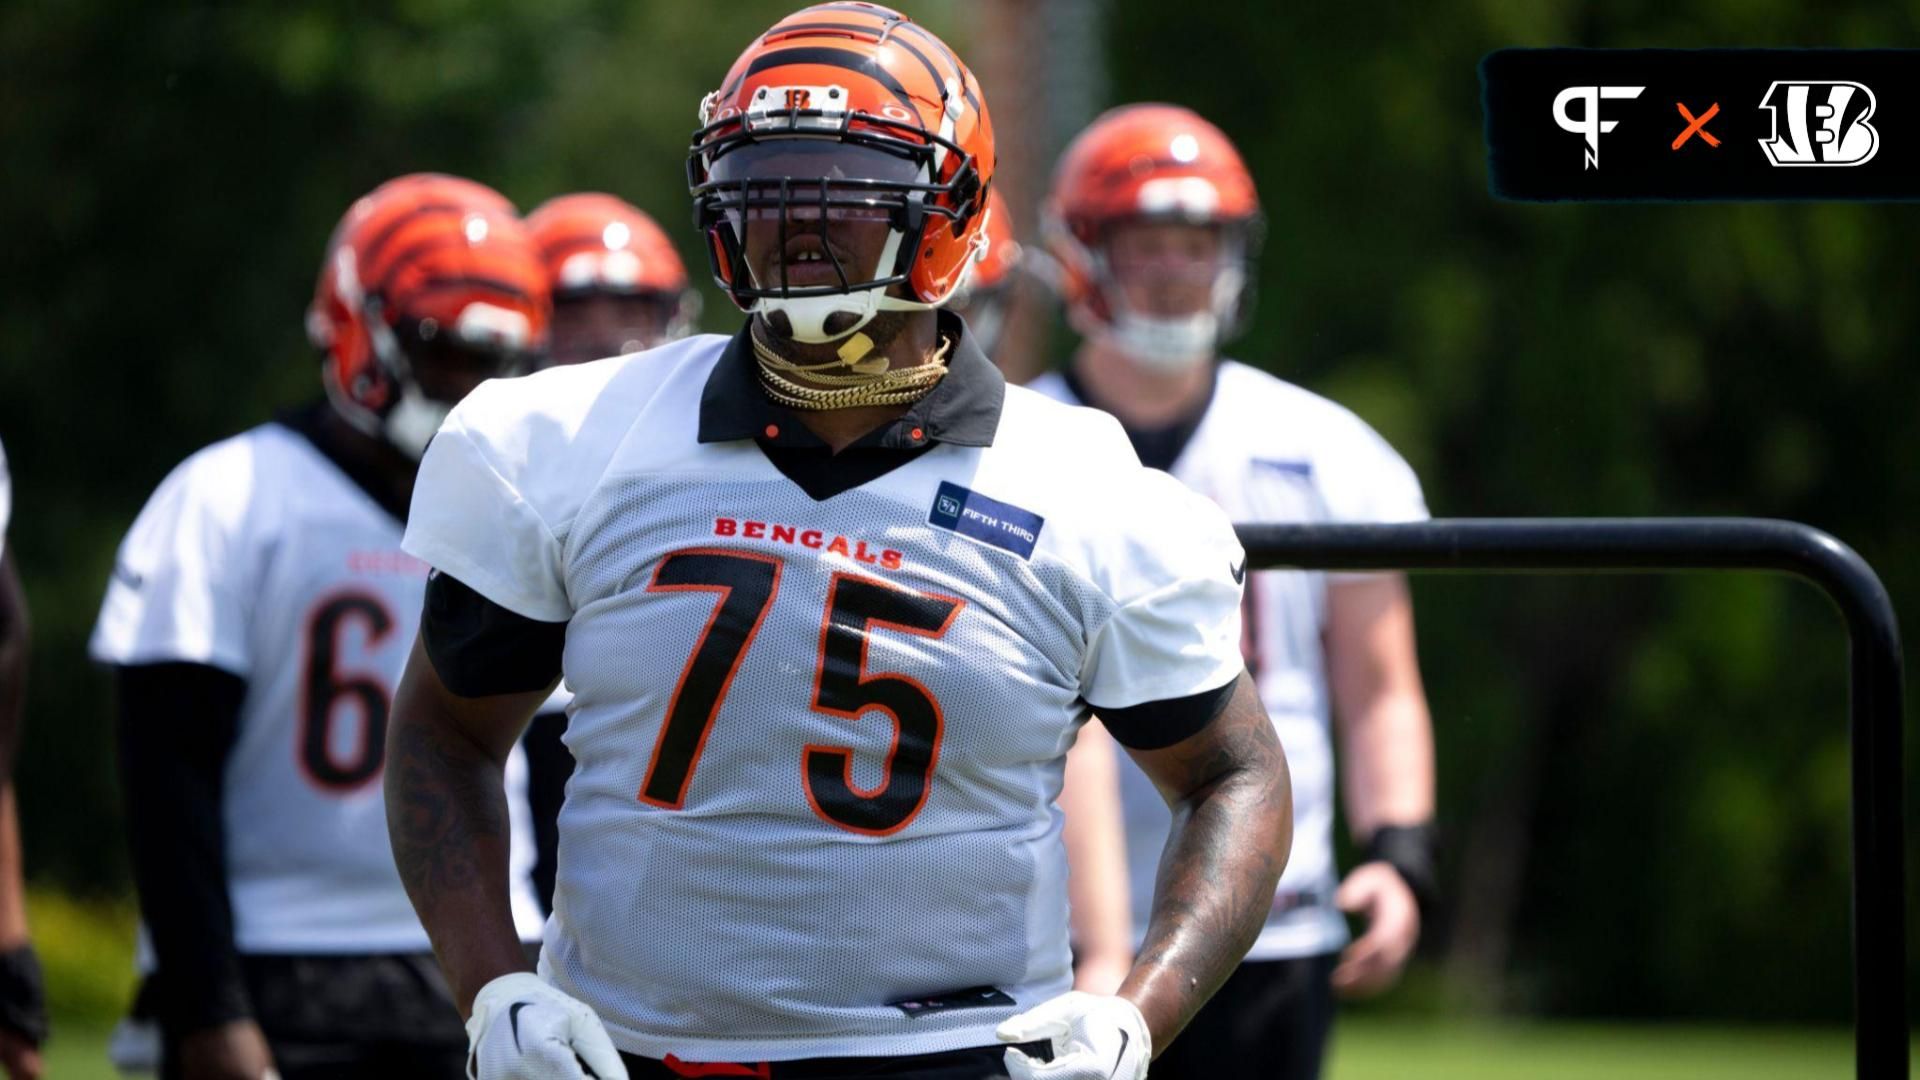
<point x="1166" y="344"/>
<point x="808" y="316"/>
<point x="414" y="420"/>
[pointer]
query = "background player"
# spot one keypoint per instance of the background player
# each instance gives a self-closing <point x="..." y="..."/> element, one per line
<point x="618" y="287"/>
<point x="827" y="832"/>
<point x="23" y="1008"/>
<point x="258" y="618"/>
<point x="1152" y="216"/>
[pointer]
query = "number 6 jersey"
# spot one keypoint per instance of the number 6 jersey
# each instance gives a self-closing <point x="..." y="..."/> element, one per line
<point x="260" y="557"/>
<point x="821" y="701"/>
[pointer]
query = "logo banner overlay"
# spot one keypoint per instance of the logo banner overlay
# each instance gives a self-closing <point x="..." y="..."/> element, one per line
<point x="1753" y="125"/>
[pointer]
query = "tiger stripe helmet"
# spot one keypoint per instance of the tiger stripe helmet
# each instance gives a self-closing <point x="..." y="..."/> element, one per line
<point x="422" y="263"/>
<point x="845" y="108"/>
<point x="592" y="242"/>
<point x="983" y="299"/>
<point x="595" y="244"/>
<point x="1148" y="162"/>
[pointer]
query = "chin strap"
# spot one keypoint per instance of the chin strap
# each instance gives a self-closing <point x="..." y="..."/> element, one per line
<point x="859" y="378"/>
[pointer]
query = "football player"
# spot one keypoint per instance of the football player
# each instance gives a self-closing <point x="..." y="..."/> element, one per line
<point x="23" y="1009"/>
<point x="1153" y="218"/>
<point x="618" y="287"/>
<point x="258" y="619"/>
<point x="833" y="601"/>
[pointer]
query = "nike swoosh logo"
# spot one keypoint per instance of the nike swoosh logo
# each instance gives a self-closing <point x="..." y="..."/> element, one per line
<point x="513" y="1021"/>
<point x="1239" y="572"/>
<point x="1119" y="1057"/>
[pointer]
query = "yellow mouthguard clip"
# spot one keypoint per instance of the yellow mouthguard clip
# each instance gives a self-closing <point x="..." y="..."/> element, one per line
<point x="855" y="355"/>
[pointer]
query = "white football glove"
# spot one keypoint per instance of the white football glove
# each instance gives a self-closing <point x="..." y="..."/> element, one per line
<point x="524" y="1029"/>
<point x="1095" y="1037"/>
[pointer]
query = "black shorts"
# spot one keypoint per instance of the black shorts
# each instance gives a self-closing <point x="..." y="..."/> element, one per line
<point x="328" y="1017"/>
<point x="971" y="1063"/>
<point x="1269" y="1022"/>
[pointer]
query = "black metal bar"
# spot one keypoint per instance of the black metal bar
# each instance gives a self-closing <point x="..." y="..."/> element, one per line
<point x="1577" y="545"/>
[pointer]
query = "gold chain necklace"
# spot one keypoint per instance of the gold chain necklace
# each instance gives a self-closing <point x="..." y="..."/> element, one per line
<point x="849" y="389"/>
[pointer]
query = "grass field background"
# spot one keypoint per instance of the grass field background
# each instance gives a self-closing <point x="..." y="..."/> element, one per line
<point x="88" y="948"/>
<point x="1392" y="1049"/>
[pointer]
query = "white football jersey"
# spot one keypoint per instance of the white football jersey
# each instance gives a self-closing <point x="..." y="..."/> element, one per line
<point x="819" y="740"/>
<point x="258" y="556"/>
<point x="1269" y="451"/>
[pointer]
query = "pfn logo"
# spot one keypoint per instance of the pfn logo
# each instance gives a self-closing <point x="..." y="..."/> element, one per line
<point x="1826" y="124"/>
<point x="1589" y="124"/>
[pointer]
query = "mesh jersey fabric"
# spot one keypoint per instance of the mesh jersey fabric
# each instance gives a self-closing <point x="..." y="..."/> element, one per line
<point x="1269" y="451"/>
<point x="258" y="556"/>
<point x="866" y="822"/>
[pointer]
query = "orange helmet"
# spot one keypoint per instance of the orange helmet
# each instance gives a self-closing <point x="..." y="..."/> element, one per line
<point x="1151" y="162"/>
<point x="982" y="300"/>
<point x="596" y="245"/>
<point x="424" y="275"/>
<point x="845" y="110"/>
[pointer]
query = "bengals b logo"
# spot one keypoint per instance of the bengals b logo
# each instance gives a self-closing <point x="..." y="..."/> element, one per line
<point x="1820" y="123"/>
<point x="799" y="99"/>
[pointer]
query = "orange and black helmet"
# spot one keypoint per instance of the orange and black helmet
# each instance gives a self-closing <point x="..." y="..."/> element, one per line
<point x="845" y="108"/>
<point x="595" y="245"/>
<point x="983" y="299"/>
<point x="1145" y="162"/>
<point x="423" y="264"/>
<point x="1003" y="251"/>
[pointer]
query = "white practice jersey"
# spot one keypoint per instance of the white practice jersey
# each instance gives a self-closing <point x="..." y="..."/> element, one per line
<point x="258" y="556"/>
<point x="819" y="740"/>
<point x="1269" y="451"/>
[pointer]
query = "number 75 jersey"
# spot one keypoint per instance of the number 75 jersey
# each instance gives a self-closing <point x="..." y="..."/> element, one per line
<point x="818" y="740"/>
<point x="259" y="556"/>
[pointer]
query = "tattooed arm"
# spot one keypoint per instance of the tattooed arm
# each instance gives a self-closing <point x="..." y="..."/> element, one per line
<point x="1232" y="804"/>
<point x="447" y="816"/>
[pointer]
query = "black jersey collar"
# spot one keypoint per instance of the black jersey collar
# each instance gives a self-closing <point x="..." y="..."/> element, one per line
<point x="1158" y="447"/>
<point x="962" y="409"/>
<point x="306" y="421"/>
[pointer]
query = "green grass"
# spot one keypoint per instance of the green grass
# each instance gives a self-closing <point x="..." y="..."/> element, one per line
<point x="79" y="1052"/>
<point x="1368" y="1048"/>
<point x="1393" y="1049"/>
<point x="88" y="949"/>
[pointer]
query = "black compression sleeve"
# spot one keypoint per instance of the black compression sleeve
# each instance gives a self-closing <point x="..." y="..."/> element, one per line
<point x="176" y="724"/>
<point x="1155" y="725"/>
<point x="479" y="648"/>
